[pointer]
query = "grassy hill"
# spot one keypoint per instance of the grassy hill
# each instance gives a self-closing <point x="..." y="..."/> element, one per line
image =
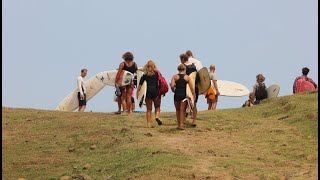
<point x="275" y="140"/>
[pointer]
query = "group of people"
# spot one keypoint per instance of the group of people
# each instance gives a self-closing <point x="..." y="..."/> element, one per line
<point x="259" y="92"/>
<point x="188" y="64"/>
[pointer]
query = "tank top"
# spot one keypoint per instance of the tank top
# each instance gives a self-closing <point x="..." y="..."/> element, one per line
<point x="132" y="69"/>
<point x="181" y="86"/>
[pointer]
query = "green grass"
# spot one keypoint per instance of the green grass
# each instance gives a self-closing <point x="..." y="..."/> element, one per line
<point x="227" y="144"/>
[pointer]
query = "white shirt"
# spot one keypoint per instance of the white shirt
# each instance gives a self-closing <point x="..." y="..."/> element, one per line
<point x="196" y="62"/>
<point x="81" y="85"/>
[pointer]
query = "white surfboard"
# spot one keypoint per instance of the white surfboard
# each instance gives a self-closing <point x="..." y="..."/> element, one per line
<point x="273" y="91"/>
<point x="140" y="73"/>
<point x="142" y="94"/>
<point x="71" y="102"/>
<point x="189" y="92"/>
<point x="109" y="77"/>
<point x="229" y="88"/>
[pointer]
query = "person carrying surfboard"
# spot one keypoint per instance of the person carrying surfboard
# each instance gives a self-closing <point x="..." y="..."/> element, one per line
<point x="123" y="104"/>
<point x="303" y="78"/>
<point x="82" y="90"/>
<point x="178" y="87"/>
<point x="130" y="66"/>
<point x="152" y="96"/>
<point x="213" y="92"/>
<point x="190" y="68"/>
<point x="259" y="89"/>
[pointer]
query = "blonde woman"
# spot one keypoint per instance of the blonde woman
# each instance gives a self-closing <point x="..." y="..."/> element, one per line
<point x="259" y="89"/>
<point x="151" y="76"/>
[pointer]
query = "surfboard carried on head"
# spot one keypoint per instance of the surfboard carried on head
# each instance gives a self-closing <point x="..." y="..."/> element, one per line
<point x="232" y="89"/>
<point x="273" y="91"/>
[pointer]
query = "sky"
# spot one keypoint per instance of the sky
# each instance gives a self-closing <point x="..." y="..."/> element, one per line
<point x="46" y="43"/>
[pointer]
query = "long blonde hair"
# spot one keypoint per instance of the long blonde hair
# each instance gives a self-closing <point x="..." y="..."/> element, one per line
<point x="150" y="68"/>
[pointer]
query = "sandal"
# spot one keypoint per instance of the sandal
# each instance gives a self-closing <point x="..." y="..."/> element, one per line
<point x="193" y="125"/>
<point x="158" y="121"/>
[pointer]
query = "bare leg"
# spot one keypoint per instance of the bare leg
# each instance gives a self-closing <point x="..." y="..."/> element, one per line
<point x="149" y="112"/>
<point x="119" y="104"/>
<point x="123" y="100"/>
<point x="133" y="105"/>
<point x="214" y="107"/>
<point x="183" y="107"/>
<point x="209" y="105"/>
<point x="82" y="108"/>
<point x="194" y="113"/>
<point x="177" y="105"/>
<point x="129" y="103"/>
<point x="157" y="104"/>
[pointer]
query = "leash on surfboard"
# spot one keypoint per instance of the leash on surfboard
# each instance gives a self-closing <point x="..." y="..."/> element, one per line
<point x="189" y="106"/>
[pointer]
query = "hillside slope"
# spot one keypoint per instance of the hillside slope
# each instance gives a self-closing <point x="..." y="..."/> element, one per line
<point x="275" y="140"/>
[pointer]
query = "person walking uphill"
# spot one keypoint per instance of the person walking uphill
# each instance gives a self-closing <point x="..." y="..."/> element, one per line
<point x="190" y="68"/>
<point x="130" y="66"/>
<point x="82" y="90"/>
<point x="152" y="96"/>
<point x="179" y="88"/>
<point x="259" y="89"/>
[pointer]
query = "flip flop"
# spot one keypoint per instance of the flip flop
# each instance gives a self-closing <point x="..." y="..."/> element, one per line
<point x="117" y="113"/>
<point x="158" y="121"/>
<point x="193" y="125"/>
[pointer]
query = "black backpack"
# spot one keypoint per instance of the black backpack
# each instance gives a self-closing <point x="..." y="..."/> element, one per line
<point x="190" y="69"/>
<point x="261" y="92"/>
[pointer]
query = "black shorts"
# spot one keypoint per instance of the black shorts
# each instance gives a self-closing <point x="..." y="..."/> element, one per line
<point x="178" y="98"/>
<point x="82" y="102"/>
<point x="197" y="93"/>
<point x="152" y="95"/>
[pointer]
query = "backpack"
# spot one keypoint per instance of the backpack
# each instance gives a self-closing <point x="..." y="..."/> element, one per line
<point x="190" y="69"/>
<point x="302" y="85"/>
<point x="261" y="92"/>
<point x="210" y="93"/>
<point x="163" y="85"/>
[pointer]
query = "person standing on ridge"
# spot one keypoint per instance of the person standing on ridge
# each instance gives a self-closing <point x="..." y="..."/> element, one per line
<point x="82" y="90"/>
<point x="212" y="104"/>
